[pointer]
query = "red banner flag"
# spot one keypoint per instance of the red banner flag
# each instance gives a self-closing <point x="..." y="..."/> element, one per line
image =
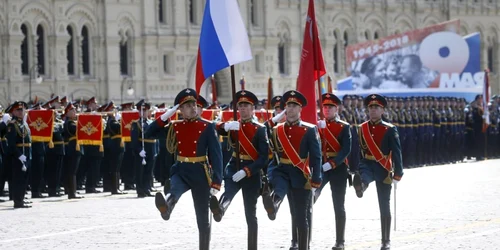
<point x="263" y="115"/>
<point x="312" y="66"/>
<point x="41" y="124"/>
<point x="89" y="130"/>
<point x="209" y="114"/>
<point x="227" y="115"/>
<point x="126" y="123"/>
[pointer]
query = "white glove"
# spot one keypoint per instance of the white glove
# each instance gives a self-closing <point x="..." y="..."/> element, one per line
<point x="142" y="153"/>
<point x="279" y="116"/>
<point x="22" y="158"/>
<point x="321" y="124"/>
<point x="5" y="118"/>
<point x="25" y="118"/>
<point x="169" y="113"/>
<point x="239" y="175"/>
<point x="395" y="182"/>
<point x="118" y="116"/>
<point x="327" y="166"/>
<point x="24" y="168"/>
<point x="232" y="125"/>
<point x="213" y="191"/>
<point x="313" y="190"/>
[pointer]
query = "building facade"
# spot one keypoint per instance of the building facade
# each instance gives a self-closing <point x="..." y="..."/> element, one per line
<point x="103" y="48"/>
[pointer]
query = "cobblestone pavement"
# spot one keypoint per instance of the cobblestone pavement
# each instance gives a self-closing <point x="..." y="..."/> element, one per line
<point x="440" y="207"/>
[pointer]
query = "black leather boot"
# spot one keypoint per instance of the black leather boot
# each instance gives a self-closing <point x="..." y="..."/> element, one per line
<point x="72" y="188"/>
<point x="340" y="233"/>
<point x="115" y="184"/>
<point x="252" y="238"/>
<point x="272" y="204"/>
<point x="358" y="185"/>
<point x="386" y="233"/>
<point x="205" y="239"/>
<point x="294" y="245"/>
<point x="220" y="207"/>
<point x="304" y="239"/>
<point x="165" y="206"/>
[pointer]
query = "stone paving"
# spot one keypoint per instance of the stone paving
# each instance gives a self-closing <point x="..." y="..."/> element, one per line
<point x="441" y="207"/>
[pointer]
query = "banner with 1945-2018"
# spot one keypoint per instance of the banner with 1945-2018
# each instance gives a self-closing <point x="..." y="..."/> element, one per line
<point x="434" y="61"/>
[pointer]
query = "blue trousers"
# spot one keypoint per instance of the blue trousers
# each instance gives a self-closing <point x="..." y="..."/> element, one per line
<point x="372" y="171"/>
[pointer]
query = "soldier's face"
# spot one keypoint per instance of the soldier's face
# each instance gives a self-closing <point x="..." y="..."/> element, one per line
<point x="19" y="113"/>
<point x="375" y="112"/>
<point x="71" y="113"/>
<point x="188" y="110"/>
<point x="330" y="111"/>
<point x="93" y="106"/>
<point x="246" y="110"/>
<point x="293" y="111"/>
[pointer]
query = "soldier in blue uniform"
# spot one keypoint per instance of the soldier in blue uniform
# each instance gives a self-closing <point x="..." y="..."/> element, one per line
<point x="160" y="168"/>
<point x="193" y="140"/>
<point x="19" y="151"/>
<point x="295" y="141"/>
<point x="37" y="164"/>
<point x="90" y="162"/>
<point x="114" y="149"/>
<point x="4" y="166"/>
<point x="381" y="152"/>
<point x="244" y="171"/>
<point x="144" y="148"/>
<point x="336" y="144"/>
<point x="127" y="170"/>
<point x="73" y="152"/>
<point x="54" y="159"/>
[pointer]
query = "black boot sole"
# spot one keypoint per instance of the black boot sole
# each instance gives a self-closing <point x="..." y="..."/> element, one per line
<point x="270" y="208"/>
<point x="358" y="186"/>
<point x="215" y="208"/>
<point x="161" y="205"/>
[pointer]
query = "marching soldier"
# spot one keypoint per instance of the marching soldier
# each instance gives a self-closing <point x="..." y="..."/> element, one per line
<point x="381" y="152"/>
<point x="336" y="142"/>
<point x="192" y="140"/>
<point x="73" y="152"/>
<point x="145" y="150"/>
<point x="19" y="151"/>
<point x="295" y="141"/>
<point x="246" y="173"/>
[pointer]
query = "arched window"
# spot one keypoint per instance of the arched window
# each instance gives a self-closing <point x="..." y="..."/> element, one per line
<point x="491" y="59"/>
<point x="375" y="35"/>
<point x="282" y="58"/>
<point x="85" y="51"/>
<point x="25" y="68"/>
<point x="253" y="13"/>
<point x="192" y="12"/>
<point x="124" y="56"/>
<point x="70" y="51"/>
<point x="346" y="38"/>
<point x="367" y="35"/>
<point x="40" y="47"/>
<point x="161" y="16"/>
<point x="336" y="68"/>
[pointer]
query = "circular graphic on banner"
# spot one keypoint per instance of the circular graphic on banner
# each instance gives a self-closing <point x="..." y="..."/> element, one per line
<point x="445" y="52"/>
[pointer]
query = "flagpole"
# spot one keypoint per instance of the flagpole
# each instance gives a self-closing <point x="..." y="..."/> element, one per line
<point x="235" y="117"/>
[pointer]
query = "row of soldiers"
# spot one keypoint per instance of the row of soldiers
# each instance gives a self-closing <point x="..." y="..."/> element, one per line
<point x="434" y="130"/>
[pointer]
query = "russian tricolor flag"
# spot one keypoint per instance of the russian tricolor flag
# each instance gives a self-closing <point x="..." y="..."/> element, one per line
<point x="223" y="39"/>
